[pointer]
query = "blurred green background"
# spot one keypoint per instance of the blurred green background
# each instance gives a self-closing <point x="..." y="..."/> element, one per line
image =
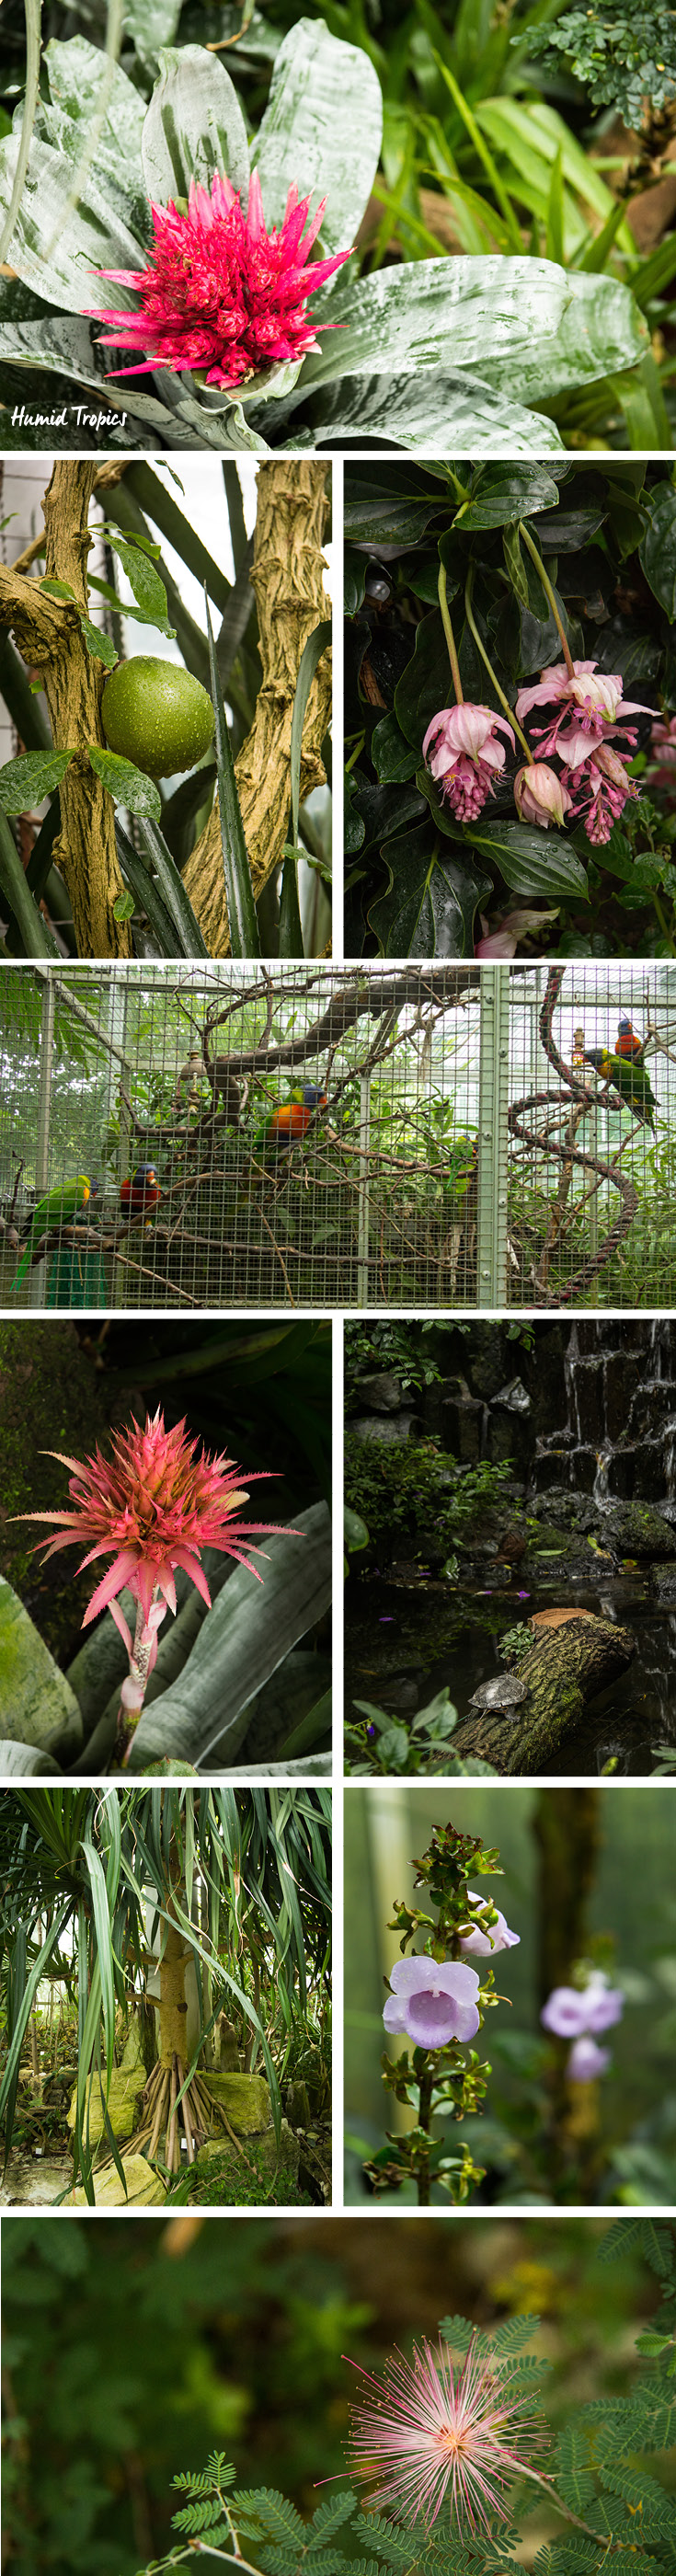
<point x="132" y="2348"/>
<point x="625" y="1923"/>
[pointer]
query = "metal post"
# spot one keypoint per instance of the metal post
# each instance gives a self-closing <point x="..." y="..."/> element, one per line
<point x="364" y="1209"/>
<point x="116" y="1073"/>
<point x="493" y="1137"/>
<point x="36" y="1276"/>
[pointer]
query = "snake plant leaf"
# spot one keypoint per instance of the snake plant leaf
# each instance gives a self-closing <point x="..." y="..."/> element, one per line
<point x="194" y="127"/>
<point x="322" y="128"/>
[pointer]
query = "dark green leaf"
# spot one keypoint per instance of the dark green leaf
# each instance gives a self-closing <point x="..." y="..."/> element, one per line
<point x="392" y="757"/>
<point x="503" y="492"/>
<point x="38" y="940"/>
<point x="146" y="894"/>
<point x="430" y="905"/>
<point x="24" y="782"/>
<point x="191" y="942"/>
<point x="530" y="861"/>
<point x="125" y="782"/>
<point x="658" y="547"/>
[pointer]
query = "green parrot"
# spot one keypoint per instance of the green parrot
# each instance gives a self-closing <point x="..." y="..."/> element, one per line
<point x="59" y="1207"/>
<point x="627" y="1078"/>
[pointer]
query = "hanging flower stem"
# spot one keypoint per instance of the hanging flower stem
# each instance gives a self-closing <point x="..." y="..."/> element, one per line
<point x="550" y="594"/>
<point x="481" y="648"/>
<point x="450" y="638"/>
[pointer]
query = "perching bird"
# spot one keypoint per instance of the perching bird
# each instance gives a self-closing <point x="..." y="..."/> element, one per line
<point x="290" y="1121"/>
<point x="140" y="1195"/>
<point x="627" y="1042"/>
<point x="628" y="1079"/>
<point x="57" y="1208"/>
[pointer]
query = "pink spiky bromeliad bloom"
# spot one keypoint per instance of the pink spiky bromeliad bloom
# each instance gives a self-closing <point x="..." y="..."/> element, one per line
<point x="431" y="2433"/>
<point x="153" y="1506"/>
<point x="461" y="751"/>
<point x="221" y="293"/>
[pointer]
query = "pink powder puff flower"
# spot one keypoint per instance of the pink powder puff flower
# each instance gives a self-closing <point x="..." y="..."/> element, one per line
<point x="429" y="2433"/>
<point x="220" y="293"/>
<point x="496" y="1936"/>
<point x="600" y="790"/>
<point x="595" y="695"/>
<point x="152" y="1506"/>
<point x="586" y="2061"/>
<point x="539" y="795"/>
<point x="433" y="2001"/>
<point x="464" y="754"/>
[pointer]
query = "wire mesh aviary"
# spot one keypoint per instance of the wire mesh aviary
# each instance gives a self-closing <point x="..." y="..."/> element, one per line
<point x="425" y="1136"/>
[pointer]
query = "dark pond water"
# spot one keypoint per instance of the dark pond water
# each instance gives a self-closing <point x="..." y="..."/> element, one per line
<point x="403" y="1644"/>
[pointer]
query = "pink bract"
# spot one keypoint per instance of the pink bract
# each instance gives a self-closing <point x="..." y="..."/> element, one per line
<point x="430" y="2433"/>
<point x="220" y="293"/>
<point x="540" y="796"/>
<point x="153" y="1506"/>
<point x="461" y="752"/>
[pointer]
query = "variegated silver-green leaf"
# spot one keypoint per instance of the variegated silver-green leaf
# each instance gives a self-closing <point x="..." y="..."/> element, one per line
<point x="193" y="127"/>
<point x="78" y="75"/>
<point x="151" y="24"/>
<point x="322" y="128"/>
<point x="84" y="239"/>
<point x="424" y="412"/>
<point x="510" y="322"/>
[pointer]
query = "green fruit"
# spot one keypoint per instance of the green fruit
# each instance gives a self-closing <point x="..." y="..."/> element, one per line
<point x="157" y="715"/>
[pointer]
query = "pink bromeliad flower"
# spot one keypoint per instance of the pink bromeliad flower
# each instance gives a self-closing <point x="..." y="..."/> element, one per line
<point x="220" y="293"/>
<point x="430" y="2432"/>
<point x="593" y="698"/>
<point x="153" y="1506"/>
<point x="463" y="756"/>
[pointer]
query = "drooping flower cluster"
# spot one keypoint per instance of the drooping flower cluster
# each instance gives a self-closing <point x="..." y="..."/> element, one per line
<point x="661" y="769"/>
<point x="221" y="293"/>
<point x="153" y="1506"/>
<point x="593" y="784"/>
<point x="461" y="751"/>
<point x="581" y="2014"/>
<point x="430" y="2434"/>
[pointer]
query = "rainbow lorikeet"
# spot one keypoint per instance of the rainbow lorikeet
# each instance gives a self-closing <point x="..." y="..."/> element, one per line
<point x="290" y="1121"/>
<point x="57" y="1208"/>
<point x="140" y="1195"/>
<point x="627" y="1043"/>
<point x="629" y="1080"/>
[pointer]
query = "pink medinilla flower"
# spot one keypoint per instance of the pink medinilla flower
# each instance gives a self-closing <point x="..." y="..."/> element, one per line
<point x="430" y="2432"/>
<point x="599" y="790"/>
<point x="586" y="2061"/>
<point x="594" y="696"/>
<point x="462" y="754"/>
<point x="220" y="293"/>
<point x="504" y="939"/>
<point x="539" y="795"/>
<point x="153" y="1506"/>
<point x="496" y="1936"/>
<point x="433" y="2001"/>
<point x="661" y="770"/>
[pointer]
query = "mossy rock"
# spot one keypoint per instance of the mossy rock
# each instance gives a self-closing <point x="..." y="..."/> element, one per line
<point x="245" y="2100"/>
<point x="124" y="2102"/>
<point x="38" y="1705"/>
<point x="144" y="2188"/>
<point x="638" y="1530"/>
<point x="224" y="2178"/>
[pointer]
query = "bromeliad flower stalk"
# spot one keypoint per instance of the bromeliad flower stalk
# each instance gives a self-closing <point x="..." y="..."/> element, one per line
<point x="153" y="1506"/>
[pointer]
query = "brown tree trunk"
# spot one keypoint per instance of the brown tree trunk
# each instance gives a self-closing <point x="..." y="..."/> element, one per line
<point x="287" y="576"/>
<point x="85" y="850"/>
<point x="566" y="1666"/>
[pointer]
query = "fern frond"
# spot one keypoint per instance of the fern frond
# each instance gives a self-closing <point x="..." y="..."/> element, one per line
<point x="273" y="2512"/>
<point x="329" y="2516"/>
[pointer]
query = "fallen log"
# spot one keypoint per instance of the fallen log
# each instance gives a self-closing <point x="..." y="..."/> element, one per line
<point x="573" y="1656"/>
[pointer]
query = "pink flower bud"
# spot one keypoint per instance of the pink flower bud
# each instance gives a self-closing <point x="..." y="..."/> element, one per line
<point x="539" y="795"/>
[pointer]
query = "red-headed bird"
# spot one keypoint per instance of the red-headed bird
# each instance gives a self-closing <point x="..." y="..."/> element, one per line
<point x="140" y="1195"/>
<point x="627" y="1042"/>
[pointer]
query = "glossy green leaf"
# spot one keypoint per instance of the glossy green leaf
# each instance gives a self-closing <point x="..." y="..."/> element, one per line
<point x="432" y="898"/>
<point x="388" y="505"/>
<point x="146" y="894"/>
<point x="194" y="127"/>
<point x="144" y="580"/>
<point x="658" y="546"/>
<point x="508" y="322"/>
<point x="125" y="782"/>
<point x="191" y="942"/>
<point x="530" y="861"/>
<point x="24" y="782"/>
<point x="38" y="940"/>
<point x="498" y="495"/>
<point x="322" y="128"/>
<point x="393" y="757"/>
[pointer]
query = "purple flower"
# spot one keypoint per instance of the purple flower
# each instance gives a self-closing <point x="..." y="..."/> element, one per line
<point x="570" y="2013"/>
<point x="498" y="1937"/>
<point x="433" y="2001"/>
<point x="586" y="2061"/>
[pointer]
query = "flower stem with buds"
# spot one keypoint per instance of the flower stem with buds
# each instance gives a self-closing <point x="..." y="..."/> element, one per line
<point x="550" y="594"/>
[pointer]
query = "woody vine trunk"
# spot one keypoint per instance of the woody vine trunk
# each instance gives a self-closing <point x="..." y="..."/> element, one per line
<point x="287" y="576"/>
